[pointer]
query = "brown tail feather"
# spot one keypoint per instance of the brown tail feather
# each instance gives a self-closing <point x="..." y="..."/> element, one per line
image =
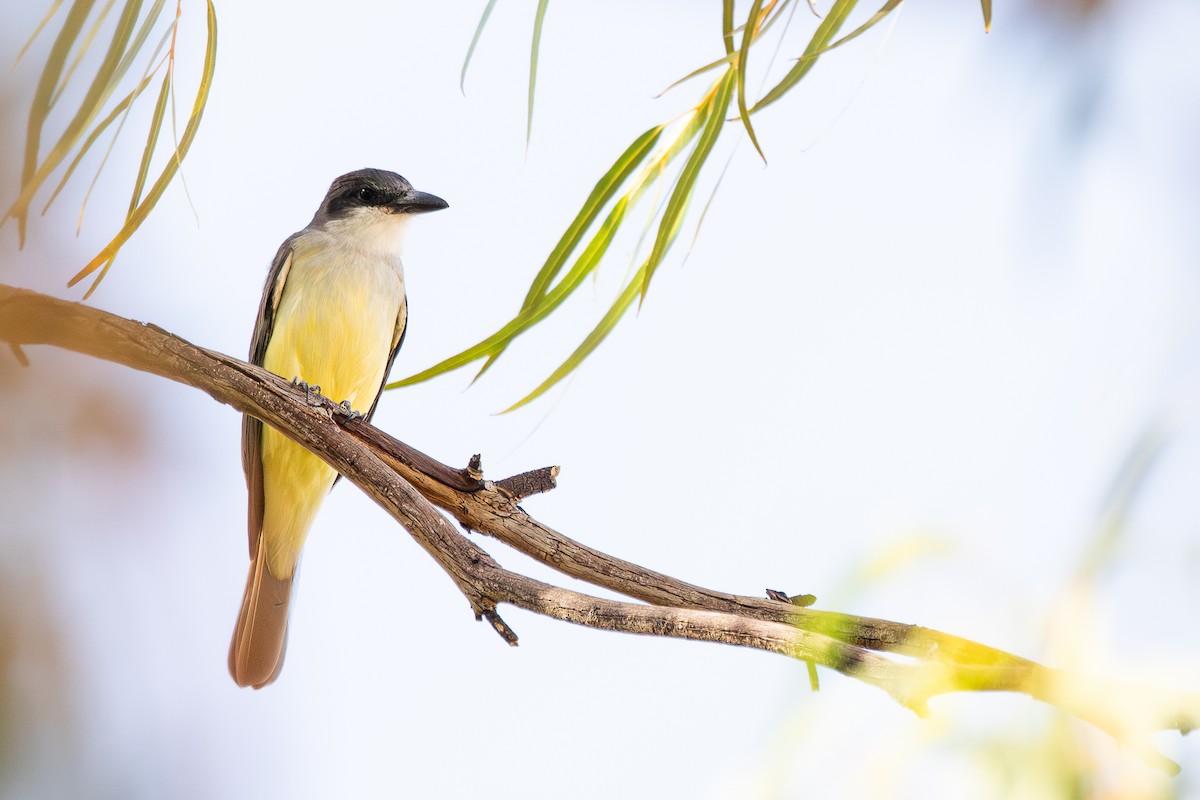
<point x="260" y="638"/>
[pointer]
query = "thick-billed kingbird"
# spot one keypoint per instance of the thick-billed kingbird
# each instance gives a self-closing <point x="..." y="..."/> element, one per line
<point x="332" y="315"/>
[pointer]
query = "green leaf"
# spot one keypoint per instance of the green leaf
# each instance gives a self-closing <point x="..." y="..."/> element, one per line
<point x="40" y="109"/>
<point x="487" y="12"/>
<point x="888" y="8"/>
<point x="708" y="204"/>
<point x="543" y="303"/>
<point x="538" y="19"/>
<point x="97" y="131"/>
<point x="730" y="54"/>
<point x="743" y="58"/>
<point x="987" y="15"/>
<point x="105" y="257"/>
<point x="602" y="192"/>
<point x="121" y="109"/>
<point x="156" y="121"/>
<point x="107" y="75"/>
<point x="133" y="49"/>
<point x="672" y="216"/>
<point x="825" y="32"/>
<point x="727" y="25"/>
<point x="97" y="94"/>
<point x="681" y="141"/>
<point x="139" y="40"/>
<point x="543" y="297"/>
<point x="84" y="46"/>
<point x="593" y="340"/>
<point x="527" y="318"/>
<point x="720" y="62"/>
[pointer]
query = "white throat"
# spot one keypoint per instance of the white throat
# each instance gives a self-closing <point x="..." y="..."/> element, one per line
<point x="371" y="229"/>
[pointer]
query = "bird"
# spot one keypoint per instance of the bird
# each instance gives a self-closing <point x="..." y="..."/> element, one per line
<point x="333" y="315"/>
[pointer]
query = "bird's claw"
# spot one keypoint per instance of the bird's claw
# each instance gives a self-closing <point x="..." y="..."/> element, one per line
<point x="310" y="391"/>
<point x="351" y="414"/>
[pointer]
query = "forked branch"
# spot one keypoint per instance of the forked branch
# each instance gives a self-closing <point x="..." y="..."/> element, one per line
<point x="408" y="484"/>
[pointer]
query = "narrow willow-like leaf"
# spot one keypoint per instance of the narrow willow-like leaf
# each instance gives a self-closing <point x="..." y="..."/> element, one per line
<point x="164" y="179"/>
<point x="607" y="323"/>
<point x="106" y="74"/>
<point x="742" y="61"/>
<point x="156" y="121"/>
<point x="169" y="33"/>
<point x="133" y="49"/>
<point x="527" y="318"/>
<point x="718" y="103"/>
<point x="729" y="57"/>
<point x="593" y="340"/>
<point x="96" y="133"/>
<point x="590" y="259"/>
<point x="987" y="15"/>
<point x="782" y="36"/>
<point x="542" y="299"/>
<point x="825" y="32"/>
<point x="546" y="299"/>
<point x="708" y="204"/>
<point x="602" y="192"/>
<point x="84" y="45"/>
<point x="773" y="10"/>
<point x="57" y="4"/>
<point x="635" y="255"/>
<point x="888" y="8"/>
<point x="538" y="19"/>
<point x="40" y="109"/>
<point x="727" y="26"/>
<point x="493" y="346"/>
<point x="122" y="110"/>
<point x="709" y="67"/>
<point x="680" y="143"/>
<point x="139" y="39"/>
<point x="487" y="12"/>
<point x="585" y="265"/>
<point x="669" y="234"/>
<point x="772" y="13"/>
<point x="97" y="94"/>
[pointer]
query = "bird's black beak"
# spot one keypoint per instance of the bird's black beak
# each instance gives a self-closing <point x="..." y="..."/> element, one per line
<point x="420" y="203"/>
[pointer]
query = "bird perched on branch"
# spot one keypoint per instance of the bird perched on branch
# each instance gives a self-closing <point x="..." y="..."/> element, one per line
<point x="332" y="316"/>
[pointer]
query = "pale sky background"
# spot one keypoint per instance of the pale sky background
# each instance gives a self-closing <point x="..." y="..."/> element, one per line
<point x="900" y="370"/>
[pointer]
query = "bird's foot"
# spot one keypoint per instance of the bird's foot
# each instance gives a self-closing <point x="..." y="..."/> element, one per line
<point x="351" y="414"/>
<point x="310" y="391"/>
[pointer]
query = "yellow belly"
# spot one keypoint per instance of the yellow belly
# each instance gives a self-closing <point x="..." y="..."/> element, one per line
<point x="334" y="332"/>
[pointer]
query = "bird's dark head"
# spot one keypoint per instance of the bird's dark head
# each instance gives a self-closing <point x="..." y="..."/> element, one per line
<point x="370" y="209"/>
<point x="376" y="189"/>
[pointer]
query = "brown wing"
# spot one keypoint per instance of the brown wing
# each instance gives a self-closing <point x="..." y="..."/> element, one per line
<point x="252" y="427"/>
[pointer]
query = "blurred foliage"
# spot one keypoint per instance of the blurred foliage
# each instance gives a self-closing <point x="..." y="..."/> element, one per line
<point x="131" y="40"/>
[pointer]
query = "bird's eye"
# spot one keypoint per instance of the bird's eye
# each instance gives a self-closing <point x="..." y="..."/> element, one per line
<point x="366" y="194"/>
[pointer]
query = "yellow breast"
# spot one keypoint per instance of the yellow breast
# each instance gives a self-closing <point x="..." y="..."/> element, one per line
<point x="334" y="328"/>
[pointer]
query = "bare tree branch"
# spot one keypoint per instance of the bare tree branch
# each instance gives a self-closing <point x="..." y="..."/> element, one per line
<point x="408" y="483"/>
